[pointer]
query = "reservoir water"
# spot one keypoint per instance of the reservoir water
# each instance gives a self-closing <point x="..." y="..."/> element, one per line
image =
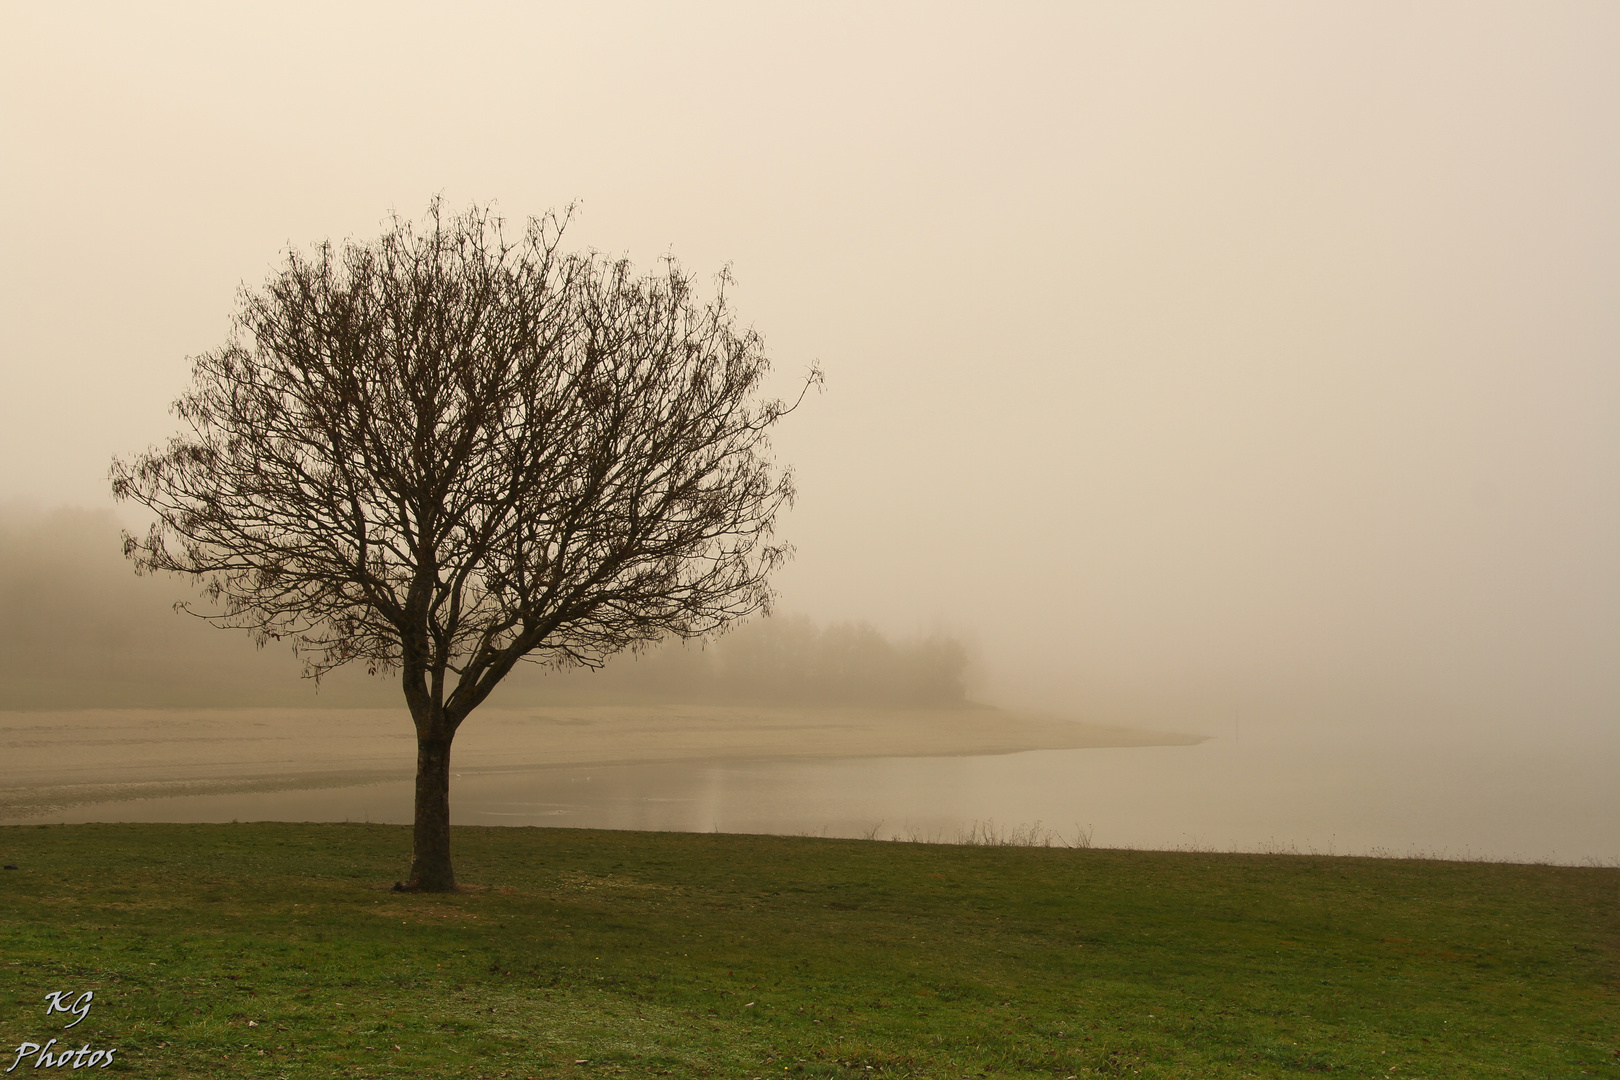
<point x="1526" y="799"/>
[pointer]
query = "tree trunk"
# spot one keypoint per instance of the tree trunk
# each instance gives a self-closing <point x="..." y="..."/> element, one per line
<point x="430" y="863"/>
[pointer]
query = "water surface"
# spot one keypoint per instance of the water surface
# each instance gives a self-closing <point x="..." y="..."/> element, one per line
<point x="1521" y="800"/>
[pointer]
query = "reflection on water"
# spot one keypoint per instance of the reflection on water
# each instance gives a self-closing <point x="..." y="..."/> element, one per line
<point x="1528" y="802"/>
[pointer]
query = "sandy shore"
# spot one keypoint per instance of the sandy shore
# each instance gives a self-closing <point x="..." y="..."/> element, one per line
<point x="49" y="760"/>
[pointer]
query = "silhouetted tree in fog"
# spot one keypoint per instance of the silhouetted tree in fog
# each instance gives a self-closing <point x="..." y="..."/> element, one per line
<point x="445" y="451"/>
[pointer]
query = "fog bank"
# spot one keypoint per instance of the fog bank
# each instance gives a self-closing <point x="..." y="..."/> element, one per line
<point x="81" y="630"/>
<point x="1192" y="364"/>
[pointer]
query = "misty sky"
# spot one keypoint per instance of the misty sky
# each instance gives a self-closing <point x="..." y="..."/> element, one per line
<point x="1182" y="358"/>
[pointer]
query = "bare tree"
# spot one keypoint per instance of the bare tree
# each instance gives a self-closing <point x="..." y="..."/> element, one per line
<point x="445" y="451"/>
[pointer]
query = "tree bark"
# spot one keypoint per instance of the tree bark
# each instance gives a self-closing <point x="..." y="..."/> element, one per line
<point x="430" y="863"/>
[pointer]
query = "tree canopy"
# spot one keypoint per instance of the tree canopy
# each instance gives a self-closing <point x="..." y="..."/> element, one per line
<point x="447" y="451"/>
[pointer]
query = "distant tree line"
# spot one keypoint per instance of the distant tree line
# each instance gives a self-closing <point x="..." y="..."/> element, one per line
<point x="785" y="660"/>
<point x="81" y="632"/>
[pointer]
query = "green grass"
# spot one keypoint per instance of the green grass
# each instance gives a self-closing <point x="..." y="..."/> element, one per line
<point x="277" y="950"/>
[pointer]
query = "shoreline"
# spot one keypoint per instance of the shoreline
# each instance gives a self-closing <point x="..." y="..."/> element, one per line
<point x="50" y="760"/>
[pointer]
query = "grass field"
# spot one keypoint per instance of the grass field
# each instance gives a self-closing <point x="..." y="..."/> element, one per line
<point x="278" y="950"/>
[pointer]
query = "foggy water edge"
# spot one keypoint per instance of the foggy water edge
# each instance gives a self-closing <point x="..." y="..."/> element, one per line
<point x="1336" y="793"/>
